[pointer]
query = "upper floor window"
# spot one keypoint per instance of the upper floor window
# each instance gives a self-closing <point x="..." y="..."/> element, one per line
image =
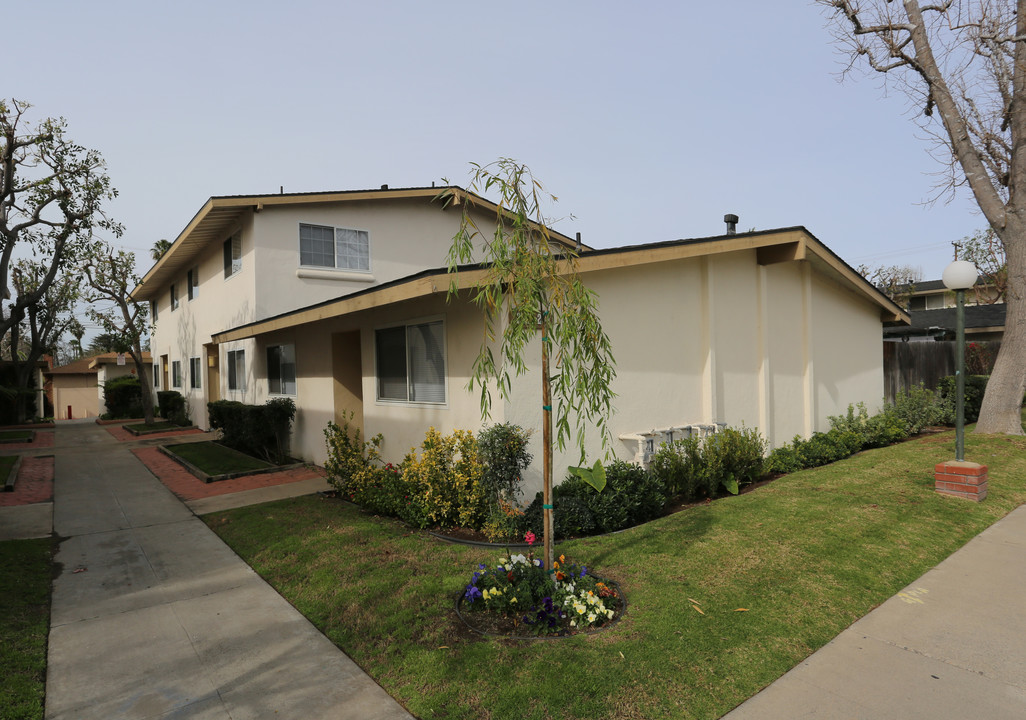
<point x="174" y="296"/>
<point x="281" y="370"/>
<point x="153" y="310"/>
<point x="156" y="376"/>
<point x="332" y="247"/>
<point x="233" y="255"/>
<point x="411" y="363"/>
<point x="192" y="284"/>
<point x="176" y="373"/>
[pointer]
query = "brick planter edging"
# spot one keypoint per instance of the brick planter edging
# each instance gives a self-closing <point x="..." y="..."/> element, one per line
<point x="12" y="441"/>
<point x="12" y="475"/>
<point x="962" y="479"/>
<point x="156" y="431"/>
<point x="227" y="476"/>
<point x="122" y="421"/>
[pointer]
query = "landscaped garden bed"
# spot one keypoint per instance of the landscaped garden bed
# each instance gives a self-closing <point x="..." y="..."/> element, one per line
<point x="725" y="596"/>
<point x="9" y="465"/>
<point x="154" y="428"/>
<point x="16" y="436"/>
<point x="211" y="461"/>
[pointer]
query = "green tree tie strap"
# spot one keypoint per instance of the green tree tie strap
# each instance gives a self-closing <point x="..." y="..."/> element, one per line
<point x="547" y="407"/>
<point x="546" y="507"/>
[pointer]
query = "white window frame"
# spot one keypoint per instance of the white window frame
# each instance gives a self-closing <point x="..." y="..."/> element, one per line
<point x="174" y="297"/>
<point x="153" y="310"/>
<point x="195" y="374"/>
<point x="230" y="245"/>
<point x="233" y="360"/>
<point x="409" y="381"/>
<point x="282" y="390"/>
<point x="335" y="246"/>
<point x="192" y="283"/>
<point x="176" y="374"/>
<point x="156" y="376"/>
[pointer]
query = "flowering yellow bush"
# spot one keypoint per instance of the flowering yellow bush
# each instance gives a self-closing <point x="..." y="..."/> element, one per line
<point x="446" y="476"/>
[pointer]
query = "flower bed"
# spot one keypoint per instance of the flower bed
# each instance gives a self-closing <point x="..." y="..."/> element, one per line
<point x="518" y="598"/>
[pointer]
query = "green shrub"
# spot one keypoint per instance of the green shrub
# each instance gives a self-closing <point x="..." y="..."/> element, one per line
<point x="258" y="430"/>
<point x="679" y="467"/>
<point x="882" y="429"/>
<point x="734" y="458"/>
<point x="975" y="387"/>
<point x="446" y="476"/>
<point x="920" y="407"/>
<point x="786" y="458"/>
<point x="503" y="452"/>
<point x="123" y="397"/>
<point x="632" y="496"/>
<point x="172" y="407"/>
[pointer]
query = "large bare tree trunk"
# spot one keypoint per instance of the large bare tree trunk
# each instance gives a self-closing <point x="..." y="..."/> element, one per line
<point x="1002" y="403"/>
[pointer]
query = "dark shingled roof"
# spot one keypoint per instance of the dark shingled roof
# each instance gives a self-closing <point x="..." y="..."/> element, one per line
<point x="976" y="316"/>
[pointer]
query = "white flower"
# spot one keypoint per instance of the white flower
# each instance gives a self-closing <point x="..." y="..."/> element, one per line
<point x="573" y="623"/>
<point x="609" y="614"/>
<point x="591" y="617"/>
<point x="519" y="559"/>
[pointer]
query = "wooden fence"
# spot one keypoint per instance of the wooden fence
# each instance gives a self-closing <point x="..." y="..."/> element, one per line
<point x="907" y="364"/>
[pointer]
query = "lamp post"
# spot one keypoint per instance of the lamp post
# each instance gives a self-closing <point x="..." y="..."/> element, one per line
<point x="959" y="276"/>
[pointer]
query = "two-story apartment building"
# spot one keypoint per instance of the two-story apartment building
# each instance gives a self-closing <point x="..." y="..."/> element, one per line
<point x="339" y="300"/>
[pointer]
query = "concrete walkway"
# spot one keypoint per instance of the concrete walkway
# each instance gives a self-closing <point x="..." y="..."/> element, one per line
<point x="154" y="617"/>
<point x="952" y="645"/>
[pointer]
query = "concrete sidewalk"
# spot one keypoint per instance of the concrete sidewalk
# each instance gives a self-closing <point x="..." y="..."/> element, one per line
<point x="952" y="645"/>
<point x="154" y="617"/>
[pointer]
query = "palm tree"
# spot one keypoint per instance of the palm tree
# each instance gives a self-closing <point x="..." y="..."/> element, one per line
<point x="159" y="248"/>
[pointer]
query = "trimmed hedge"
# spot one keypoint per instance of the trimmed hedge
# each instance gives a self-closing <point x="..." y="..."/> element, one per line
<point x="171" y="404"/>
<point x="123" y="397"/>
<point x="258" y="430"/>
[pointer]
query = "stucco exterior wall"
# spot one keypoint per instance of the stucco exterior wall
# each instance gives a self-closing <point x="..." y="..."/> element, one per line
<point x="405" y="236"/>
<point x="78" y="391"/>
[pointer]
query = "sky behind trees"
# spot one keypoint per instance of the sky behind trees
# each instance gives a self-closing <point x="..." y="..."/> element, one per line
<point x="649" y="121"/>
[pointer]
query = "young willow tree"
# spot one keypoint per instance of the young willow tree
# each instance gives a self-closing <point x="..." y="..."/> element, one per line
<point x="109" y="277"/>
<point x="529" y="292"/>
<point x="964" y="64"/>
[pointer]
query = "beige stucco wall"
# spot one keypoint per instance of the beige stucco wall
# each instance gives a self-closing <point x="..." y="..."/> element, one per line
<point x="406" y="237"/>
<point x="403" y="425"/>
<point x="78" y="391"/>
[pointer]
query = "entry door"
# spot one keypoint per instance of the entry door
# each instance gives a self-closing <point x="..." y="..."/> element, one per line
<point x="347" y="371"/>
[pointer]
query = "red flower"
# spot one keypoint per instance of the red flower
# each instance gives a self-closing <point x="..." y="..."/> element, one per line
<point x="510" y="575"/>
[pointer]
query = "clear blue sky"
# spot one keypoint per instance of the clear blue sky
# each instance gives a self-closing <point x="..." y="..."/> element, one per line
<point x="649" y="120"/>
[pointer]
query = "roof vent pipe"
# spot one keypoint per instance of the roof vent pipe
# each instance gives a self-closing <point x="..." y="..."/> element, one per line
<point x="731" y="221"/>
<point x="579" y="246"/>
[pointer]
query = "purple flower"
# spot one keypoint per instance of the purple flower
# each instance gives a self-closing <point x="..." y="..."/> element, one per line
<point x="584" y="571"/>
<point x="472" y="593"/>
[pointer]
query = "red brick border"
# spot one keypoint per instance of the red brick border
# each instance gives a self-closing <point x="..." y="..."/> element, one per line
<point x="34" y="483"/>
<point x="188" y="487"/>
<point x="962" y="479"/>
<point x="122" y="435"/>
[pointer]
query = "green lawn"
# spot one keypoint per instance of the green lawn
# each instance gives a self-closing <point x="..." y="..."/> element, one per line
<point x="153" y="426"/>
<point x="25" y="573"/>
<point x="806" y="556"/>
<point x="215" y="459"/>
<point x="15" y="434"/>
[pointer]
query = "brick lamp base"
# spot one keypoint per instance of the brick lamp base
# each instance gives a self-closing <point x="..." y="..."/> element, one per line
<point x="961" y="479"/>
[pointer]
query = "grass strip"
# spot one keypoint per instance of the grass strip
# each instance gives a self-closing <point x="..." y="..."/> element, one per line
<point x="150" y="427"/>
<point x="25" y="573"/>
<point x="215" y="459"/>
<point x="806" y="556"/>
<point x="15" y="434"/>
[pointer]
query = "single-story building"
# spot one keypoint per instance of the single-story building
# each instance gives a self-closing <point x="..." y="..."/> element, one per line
<point x="78" y="386"/>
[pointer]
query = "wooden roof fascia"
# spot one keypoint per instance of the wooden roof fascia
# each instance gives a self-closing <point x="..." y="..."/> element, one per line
<point x="409" y="290"/>
<point x="795" y="243"/>
<point x="889" y="310"/>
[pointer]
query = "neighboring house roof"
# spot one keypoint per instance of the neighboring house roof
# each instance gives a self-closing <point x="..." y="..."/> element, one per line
<point x="978" y="318"/>
<point x="219" y="213"/>
<point x="91" y="365"/>
<point x="772" y="246"/>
